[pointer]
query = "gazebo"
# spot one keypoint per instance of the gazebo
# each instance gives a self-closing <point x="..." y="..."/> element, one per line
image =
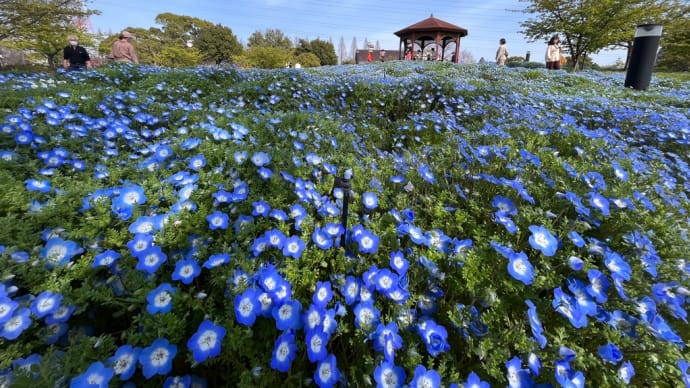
<point x="430" y="39"/>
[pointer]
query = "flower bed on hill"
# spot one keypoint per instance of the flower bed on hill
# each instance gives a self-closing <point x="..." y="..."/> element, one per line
<point x="394" y="224"/>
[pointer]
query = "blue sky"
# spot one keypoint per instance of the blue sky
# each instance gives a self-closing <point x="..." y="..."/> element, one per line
<point x="376" y="20"/>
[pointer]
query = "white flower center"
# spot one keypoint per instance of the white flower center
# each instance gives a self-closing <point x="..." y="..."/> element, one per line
<point x="162" y="299"/>
<point x="207" y="340"/>
<point x="246" y="307"/>
<point x="283" y="351"/>
<point x="285" y="311"/>
<point x="151" y="259"/>
<point x="325" y="371"/>
<point x="123" y="363"/>
<point x="57" y="252"/>
<point x="540" y="239"/>
<point x="315" y="343"/>
<point x="519" y="267"/>
<point x="159" y="357"/>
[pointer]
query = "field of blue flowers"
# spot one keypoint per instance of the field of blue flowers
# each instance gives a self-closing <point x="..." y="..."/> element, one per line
<point x="398" y="224"/>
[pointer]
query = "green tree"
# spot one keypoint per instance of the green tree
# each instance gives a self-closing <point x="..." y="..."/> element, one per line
<point x="269" y="38"/>
<point x="217" y="43"/>
<point x="675" y="40"/>
<point x="322" y="49"/>
<point x="174" y="56"/>
<point x="308" y="60"/>
<point x="264" y="57"/>
<point x="21" y="19"/>
<point x="585" y="27"/>
<point x="180" y="29"/>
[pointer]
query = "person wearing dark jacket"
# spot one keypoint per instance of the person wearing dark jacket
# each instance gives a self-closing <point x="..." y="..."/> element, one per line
<point x="75" y="56"/>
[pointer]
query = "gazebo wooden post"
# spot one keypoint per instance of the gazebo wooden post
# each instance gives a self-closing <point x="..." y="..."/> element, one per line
<point x="456" y="56"/>
<point x="438" y="38"/>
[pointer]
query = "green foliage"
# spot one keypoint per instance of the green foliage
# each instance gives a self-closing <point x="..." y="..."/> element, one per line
<point x="217" y="44"/>
<point x="264" y="57"/>
<point x="308" y="60"/>
<point x="270" y="38"/>
<point x="172" y="56"/>
<point x="675" y="41"/>
<point x="322" y="49"/>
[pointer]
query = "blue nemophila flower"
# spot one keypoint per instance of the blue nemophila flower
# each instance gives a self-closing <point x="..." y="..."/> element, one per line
<point x="313" y="317"/>
<point x="139" y="244"/>
<point x="366" y="315"/>
<point x="247" y="307"/>
<point x="186" y="271"/>
<point x="599" y="285"/>
<point x="261" y="159"/>
<point x="334" y="230"/>
<point x="385" y="281"/>
<point x="96" y="376"/>
<point x="322" y="239"/>
<point x="270" y="280"/>
<point x="435" y="338"/>
<point x="503" y="219"/>
<point x="293" y="247"/>
<point x="288" y="315"/>
<point x="350" y="289"/>
<point x="179" y="382"/>
<point x="576" y="239"/>
<point x="567" y="306"/>
<point x="474" y="381"/>
<point x="7" y="308"/>
<point x="157" y="358"/>
<point x="370" y="200"/>
<point x="517" y="376"/>
<point x="535" y="324"/>
<point x="132" y="195"/>
<point x="216" y="260"/>
<point x="617" y="265"/>
<point x="534" y="363"/>
<point x="275" y="238"/>
<point x="265" y="173"/>
<point x="424" y="378"/>
<point x="576" y="263"/>
<point x="387" y="339"/>
<point x="58" y="251"/>
<point x="399" y="263"/>
<point x="316" y="341"/>
<point x="327" y="373"/>
<point x="425" y="172"/>
<point x="45" y="303"/>
<point x="151" y="259"/>
<point x="205" y="343"/>
<point x="541" y="239"/>
<point x="626" y="372"/>
<point x="504" y="205"/>
<point x="13" y="327"/>
<point x="284" y="352"/>
<point x="389" y="375"/>
<point x="240" y="157"/>
<point x="37" y="185"/>
<point x="323" y="294"/>
<point x="261" y="208"/>
<point x="599" y="202"/>
<point x="124" y="362"/>
<point x="520" y="268"/>
<point x="217" y="220"/>
<point x="197" y="162"/>
<point x="368" y="242"/>
<point x="160" y="299"/>
<point x="610" y="353"/>
<point x="105" y="259"/>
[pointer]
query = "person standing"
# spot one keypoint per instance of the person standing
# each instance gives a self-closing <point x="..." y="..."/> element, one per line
<point x="122" y="50"/>
<point x="502" y="53"/>
<point x="382" y="55"/>
<point x="75" y="57"/>
<point x="553" y="54"/>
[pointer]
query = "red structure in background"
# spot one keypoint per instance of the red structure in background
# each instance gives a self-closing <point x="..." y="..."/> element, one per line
<point x="431" y="39"/>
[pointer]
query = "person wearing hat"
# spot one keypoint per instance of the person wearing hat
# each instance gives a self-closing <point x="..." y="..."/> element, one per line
<point x="122" y="50"/>
<point x="75" y="56"/>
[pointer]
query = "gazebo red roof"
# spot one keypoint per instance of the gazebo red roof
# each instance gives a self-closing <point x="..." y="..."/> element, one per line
<point x="432" y="24"/>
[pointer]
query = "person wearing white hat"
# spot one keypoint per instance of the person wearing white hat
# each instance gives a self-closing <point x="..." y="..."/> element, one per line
<point x="122" y="50"/>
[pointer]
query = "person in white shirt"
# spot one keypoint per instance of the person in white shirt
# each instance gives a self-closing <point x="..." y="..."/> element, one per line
<point x="553" y="54"/>
<point x="502" y="53"/>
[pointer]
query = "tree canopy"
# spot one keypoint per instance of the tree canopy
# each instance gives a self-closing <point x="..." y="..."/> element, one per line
<point x="217" y="43"/>
<point x="321" y="48"/>
<point x="21" y="18"/>
<point x="269" y="38"/>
